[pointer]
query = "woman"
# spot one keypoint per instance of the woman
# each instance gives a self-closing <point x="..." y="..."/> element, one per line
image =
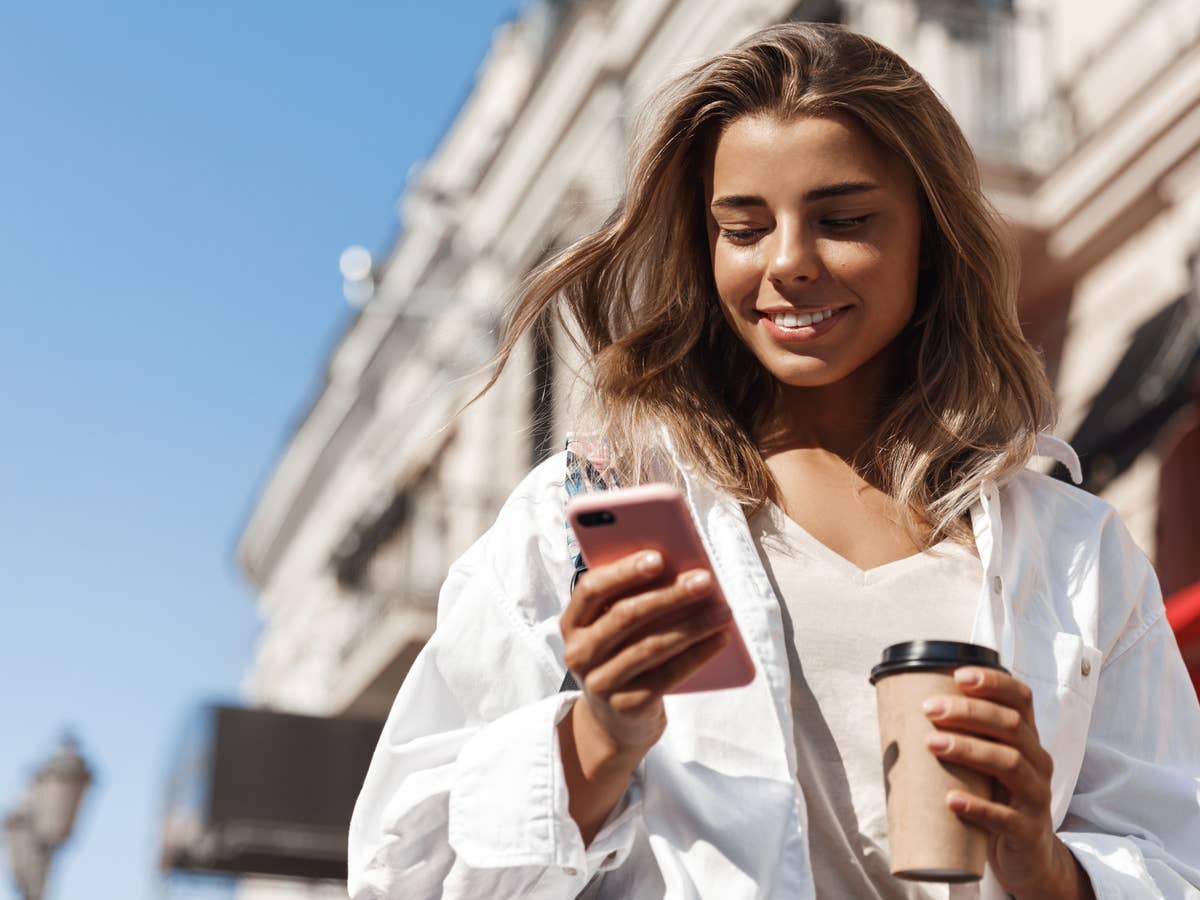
<point x="804" y="314"/>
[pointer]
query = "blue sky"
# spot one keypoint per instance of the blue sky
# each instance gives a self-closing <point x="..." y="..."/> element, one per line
<point x="177" y="182"/>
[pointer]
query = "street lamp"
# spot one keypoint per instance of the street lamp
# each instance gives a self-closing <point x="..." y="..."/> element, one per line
<point x="42" y="822"/>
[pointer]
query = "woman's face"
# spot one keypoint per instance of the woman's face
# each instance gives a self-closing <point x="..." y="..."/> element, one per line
<point x="814" y="230"/>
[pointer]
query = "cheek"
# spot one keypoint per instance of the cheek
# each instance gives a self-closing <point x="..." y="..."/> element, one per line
<point x="850" y="261"/>
<point x="736" y="273"/>
<point x="873" y="271"/>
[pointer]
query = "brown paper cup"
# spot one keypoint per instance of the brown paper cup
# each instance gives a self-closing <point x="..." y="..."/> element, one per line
<point x="926" y="840"/>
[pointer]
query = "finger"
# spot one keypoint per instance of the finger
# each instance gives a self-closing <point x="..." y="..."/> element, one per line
<point x="654" y="650"/>
<point x="599" y="586"/>
<point x="999" y="687"/>
<point x="1005" y="821"/>
<point x="992" y="720"/>
<point x="666" y="606"/>
<point x="641" y="691"/>
<point x="1026" y="787"/>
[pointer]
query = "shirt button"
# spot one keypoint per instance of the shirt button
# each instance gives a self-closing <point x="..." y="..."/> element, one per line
<point x="1085" y="668"/>
<point x="997" y="584"/>
<point x="570" y="870"/>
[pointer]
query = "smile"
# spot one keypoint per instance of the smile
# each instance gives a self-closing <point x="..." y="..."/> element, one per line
<point x="792" y="325"/>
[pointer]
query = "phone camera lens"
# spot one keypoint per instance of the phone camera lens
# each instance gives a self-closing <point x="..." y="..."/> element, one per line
<point x="604" y="517"/>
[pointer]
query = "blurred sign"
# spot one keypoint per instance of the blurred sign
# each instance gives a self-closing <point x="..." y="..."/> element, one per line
<point x="259" y="792"/>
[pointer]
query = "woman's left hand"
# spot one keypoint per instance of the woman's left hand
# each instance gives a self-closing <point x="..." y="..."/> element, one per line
<point x="992" y="730"/>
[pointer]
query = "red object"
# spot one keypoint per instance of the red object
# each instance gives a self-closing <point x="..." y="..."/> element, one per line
<point x="1183" y="614"/>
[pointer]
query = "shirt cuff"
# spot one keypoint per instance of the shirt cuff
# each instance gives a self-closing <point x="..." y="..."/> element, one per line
<point x="1113" y="865"/>
<point x="508" y="802"/>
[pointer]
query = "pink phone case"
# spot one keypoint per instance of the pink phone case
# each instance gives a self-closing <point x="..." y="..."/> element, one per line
<point x="655" y="517"/>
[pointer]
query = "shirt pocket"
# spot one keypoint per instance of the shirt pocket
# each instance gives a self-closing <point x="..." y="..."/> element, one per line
<point x="1063" y="671"/>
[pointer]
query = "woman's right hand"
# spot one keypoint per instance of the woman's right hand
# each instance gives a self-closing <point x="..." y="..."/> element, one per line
<point x="625" y="654"/>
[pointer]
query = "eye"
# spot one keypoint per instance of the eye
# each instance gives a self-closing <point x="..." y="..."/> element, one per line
<point x="741" y="235"/>
<point x="845" y="224"/>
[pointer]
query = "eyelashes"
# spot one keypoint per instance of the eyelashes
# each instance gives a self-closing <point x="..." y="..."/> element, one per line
<point x="837" y="226"/>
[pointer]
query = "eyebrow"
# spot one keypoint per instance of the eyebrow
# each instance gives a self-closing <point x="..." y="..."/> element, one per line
<point x="741" y="201"/>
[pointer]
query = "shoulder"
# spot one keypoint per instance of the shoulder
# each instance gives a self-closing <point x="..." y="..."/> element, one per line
<point x="543" y="487"/>
<point x="1046" y="503"/>
<point x="1067" y="518"/>
<point x="524" y="548"/>
<point x="530" y="527"/>
<point x="1085" y="552"/>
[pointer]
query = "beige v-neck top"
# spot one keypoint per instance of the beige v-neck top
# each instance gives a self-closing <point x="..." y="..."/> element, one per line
<point x="838" y="618"/>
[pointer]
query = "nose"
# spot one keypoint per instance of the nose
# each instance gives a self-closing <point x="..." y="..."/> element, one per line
<point x="793" y="258"/>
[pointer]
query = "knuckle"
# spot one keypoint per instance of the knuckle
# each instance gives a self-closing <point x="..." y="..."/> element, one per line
<point x="622" y="615"/>
<point x="585" y="587"/>
<point x="657" y="644"/>
<point x="1010" y="721"/>
<point x="1025" y="692"/>
<point x="633" y="703"/>
<point x="595" y="683"/>
<point x="622" y="703"/>
<point x="574" y="653"/>
<point x="1009" y="761"/>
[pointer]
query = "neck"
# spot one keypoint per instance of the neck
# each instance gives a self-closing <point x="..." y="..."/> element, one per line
<point x="838" y="418"/>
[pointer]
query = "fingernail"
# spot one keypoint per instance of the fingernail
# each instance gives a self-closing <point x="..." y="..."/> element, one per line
<point x="968" y="677"/>
<point x="934" y="708"/>
<point x="699" y="582"/>
<point x="649" y="562"/>
<point x="939" y="742"/>
<point x="957" y="802"/>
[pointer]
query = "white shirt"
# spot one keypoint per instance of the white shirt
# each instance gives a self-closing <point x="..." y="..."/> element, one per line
<point x="837" y="620"/>
<point x="466" y="798"/>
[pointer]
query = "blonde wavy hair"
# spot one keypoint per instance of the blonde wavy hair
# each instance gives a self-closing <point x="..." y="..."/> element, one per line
<point x="638" y="293"/>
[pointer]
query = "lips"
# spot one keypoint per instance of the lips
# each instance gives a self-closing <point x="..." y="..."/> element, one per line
<point x="801" y="333"/>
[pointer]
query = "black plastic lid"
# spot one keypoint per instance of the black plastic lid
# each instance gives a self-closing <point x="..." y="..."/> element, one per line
<point x="917" y="656"/>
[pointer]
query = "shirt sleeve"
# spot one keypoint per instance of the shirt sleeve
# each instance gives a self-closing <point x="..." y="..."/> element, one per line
<point x="465" y="796"/>
<point x="1134" y="818"/>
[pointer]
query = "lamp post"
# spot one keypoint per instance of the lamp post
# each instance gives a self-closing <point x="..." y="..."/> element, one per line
<point x="43" y="820"/>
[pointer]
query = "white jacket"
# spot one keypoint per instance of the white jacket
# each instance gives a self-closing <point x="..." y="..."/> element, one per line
<point x="466" y="798"/>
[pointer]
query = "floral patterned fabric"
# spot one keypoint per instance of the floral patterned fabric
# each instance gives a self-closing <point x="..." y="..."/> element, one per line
<point x="589" y="469"/>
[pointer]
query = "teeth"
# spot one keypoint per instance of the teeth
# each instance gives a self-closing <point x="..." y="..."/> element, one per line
<point x="799" y="320"/>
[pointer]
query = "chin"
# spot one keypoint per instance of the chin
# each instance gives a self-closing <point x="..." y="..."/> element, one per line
<point x="793" y="378"/>
<point x="806" y="376"/>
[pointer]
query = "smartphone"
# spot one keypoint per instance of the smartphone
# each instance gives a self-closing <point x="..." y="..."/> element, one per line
<point x="612" y="524"/>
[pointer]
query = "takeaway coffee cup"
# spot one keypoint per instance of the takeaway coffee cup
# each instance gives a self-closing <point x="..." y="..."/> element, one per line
<point x="926" y="840"/>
